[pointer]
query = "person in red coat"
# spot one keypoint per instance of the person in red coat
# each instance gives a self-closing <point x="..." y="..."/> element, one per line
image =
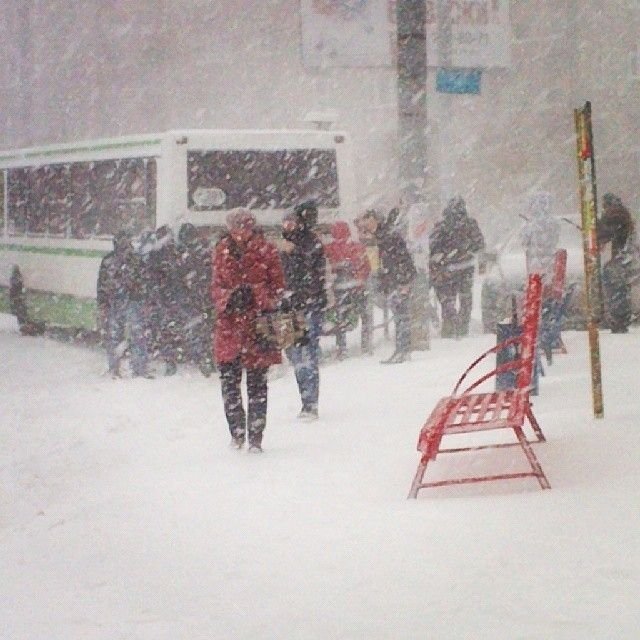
<point x="350" y="269"/>
<point x="247" y="279"/>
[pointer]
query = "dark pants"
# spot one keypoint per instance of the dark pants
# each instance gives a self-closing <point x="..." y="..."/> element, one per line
<point x="366" y="319"/>
<point x="399" y="303"/>
<point x="349" y="305"/>
<point x="120" y="318"/>
<point x="170" y="338"/>
<point x="616" y="295"/>
<point x="456" y="299"/>
<point x="238" y="421"/>
<point x="196" y="328"/>
<point x="164" y="327"/>
<point x="306" y="361"/>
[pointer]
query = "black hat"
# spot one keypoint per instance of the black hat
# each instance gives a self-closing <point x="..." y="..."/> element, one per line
<point x="307" y="213"/>
<point x="187" y="233"/>
<point x="611" y="200"/>
<point x="121" y="240"/>
<point x="456" y="208"/>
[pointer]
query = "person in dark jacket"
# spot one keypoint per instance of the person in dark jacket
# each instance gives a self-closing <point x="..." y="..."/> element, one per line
<point x="305" y="266"/>
<point x="120" y="297"/>
<point x="164" y="298"/>
<point x="396" y="274"/>
<point x="247" y="279"/>
<point x="195" y="308"/>
<point x="453" y="244"/>
<point x="615" y="228"/>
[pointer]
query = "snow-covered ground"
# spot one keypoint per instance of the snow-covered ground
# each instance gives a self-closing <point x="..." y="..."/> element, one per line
<point x="125" y="515"/>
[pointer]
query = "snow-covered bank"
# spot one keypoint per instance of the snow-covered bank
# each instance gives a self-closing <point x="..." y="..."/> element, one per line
<point x="124" y="514"/>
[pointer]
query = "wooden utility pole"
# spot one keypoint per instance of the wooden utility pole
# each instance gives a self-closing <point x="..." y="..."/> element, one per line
<point x="589" y="209"/>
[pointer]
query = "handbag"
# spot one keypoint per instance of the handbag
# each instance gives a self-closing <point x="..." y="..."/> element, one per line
<point x="280" y="329"/>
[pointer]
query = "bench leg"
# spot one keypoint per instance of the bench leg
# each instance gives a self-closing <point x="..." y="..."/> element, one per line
<point x="417" y="479"/>
<point x="531" y="457"/>
<point x="535" y="425"/>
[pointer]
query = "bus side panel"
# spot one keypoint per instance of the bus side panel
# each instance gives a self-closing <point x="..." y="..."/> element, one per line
<point x="75" y="275"/>
<point x="171" y="204"/>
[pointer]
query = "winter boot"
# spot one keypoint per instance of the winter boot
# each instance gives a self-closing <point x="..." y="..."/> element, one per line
<point x="309" y="413"/>
<point x="114" y="372"/>
<point x="237" y="441"/>
<point x="206" y="368"/>
<point x="170" y="368"/>
<point x="397" y="357"/>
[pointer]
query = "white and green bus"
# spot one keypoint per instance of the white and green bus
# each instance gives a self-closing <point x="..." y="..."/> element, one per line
<point x="60" y="205"/>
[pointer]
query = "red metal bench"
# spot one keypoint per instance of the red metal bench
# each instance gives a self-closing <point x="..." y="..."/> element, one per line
<point x="468" y="412"/>
<point x="554" y="304"/>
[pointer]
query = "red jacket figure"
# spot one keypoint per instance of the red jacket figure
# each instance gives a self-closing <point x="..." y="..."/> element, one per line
<point x="343" y="252"/>
<point x="350" y="269"/>
<point x="254" y="268"/>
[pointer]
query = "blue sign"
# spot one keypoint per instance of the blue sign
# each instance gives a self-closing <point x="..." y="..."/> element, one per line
<point x="458" y="80"/>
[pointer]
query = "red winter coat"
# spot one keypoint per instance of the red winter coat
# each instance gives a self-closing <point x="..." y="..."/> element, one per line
<point x="257" y="265"/>
<point x="343" y="250"/>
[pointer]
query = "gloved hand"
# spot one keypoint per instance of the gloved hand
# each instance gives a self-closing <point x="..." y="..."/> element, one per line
<point x="303" y="340"/>
<point x="286" y="303"/>
<point x="240" y="300"/>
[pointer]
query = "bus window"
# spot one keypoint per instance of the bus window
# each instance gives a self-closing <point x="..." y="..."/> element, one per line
<point x="132" y="194"/>
<point x="57" y="200"/>
<point x="82" y="200"/>
<point x="262" y="179"/>
<point x="18" y="194"/>
<point x="83" y="218"/>
<point x="119" y="193"/>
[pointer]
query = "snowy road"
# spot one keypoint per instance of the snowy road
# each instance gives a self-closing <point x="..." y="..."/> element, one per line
<point x="124" y="514"/>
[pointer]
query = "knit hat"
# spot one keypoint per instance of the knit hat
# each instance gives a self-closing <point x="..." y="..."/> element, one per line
<point x="456" y="207"/>
<point x="240" y="218"/>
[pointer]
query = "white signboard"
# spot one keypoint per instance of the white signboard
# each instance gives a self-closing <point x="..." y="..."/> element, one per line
<point x="480" y="33"/>
<point x="346" y="33"/>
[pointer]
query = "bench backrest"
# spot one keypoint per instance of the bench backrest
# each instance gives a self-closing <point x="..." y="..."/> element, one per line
<point x="529" y="337"/>
<point x="559" y="274"/>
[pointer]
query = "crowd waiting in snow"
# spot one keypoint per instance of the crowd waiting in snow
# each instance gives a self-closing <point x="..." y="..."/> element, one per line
<point x="181" y="300"/>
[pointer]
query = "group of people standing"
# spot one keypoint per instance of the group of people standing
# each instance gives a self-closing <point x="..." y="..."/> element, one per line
<point x="170" y="297"/>
<point x="251" y="276"/>
<point x="540" y="236"/>
<point x="153" y="297"/>
<point x="171" y="300"/>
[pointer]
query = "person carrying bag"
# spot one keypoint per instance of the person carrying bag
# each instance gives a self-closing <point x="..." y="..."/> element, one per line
<point x="248" y="281"/>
